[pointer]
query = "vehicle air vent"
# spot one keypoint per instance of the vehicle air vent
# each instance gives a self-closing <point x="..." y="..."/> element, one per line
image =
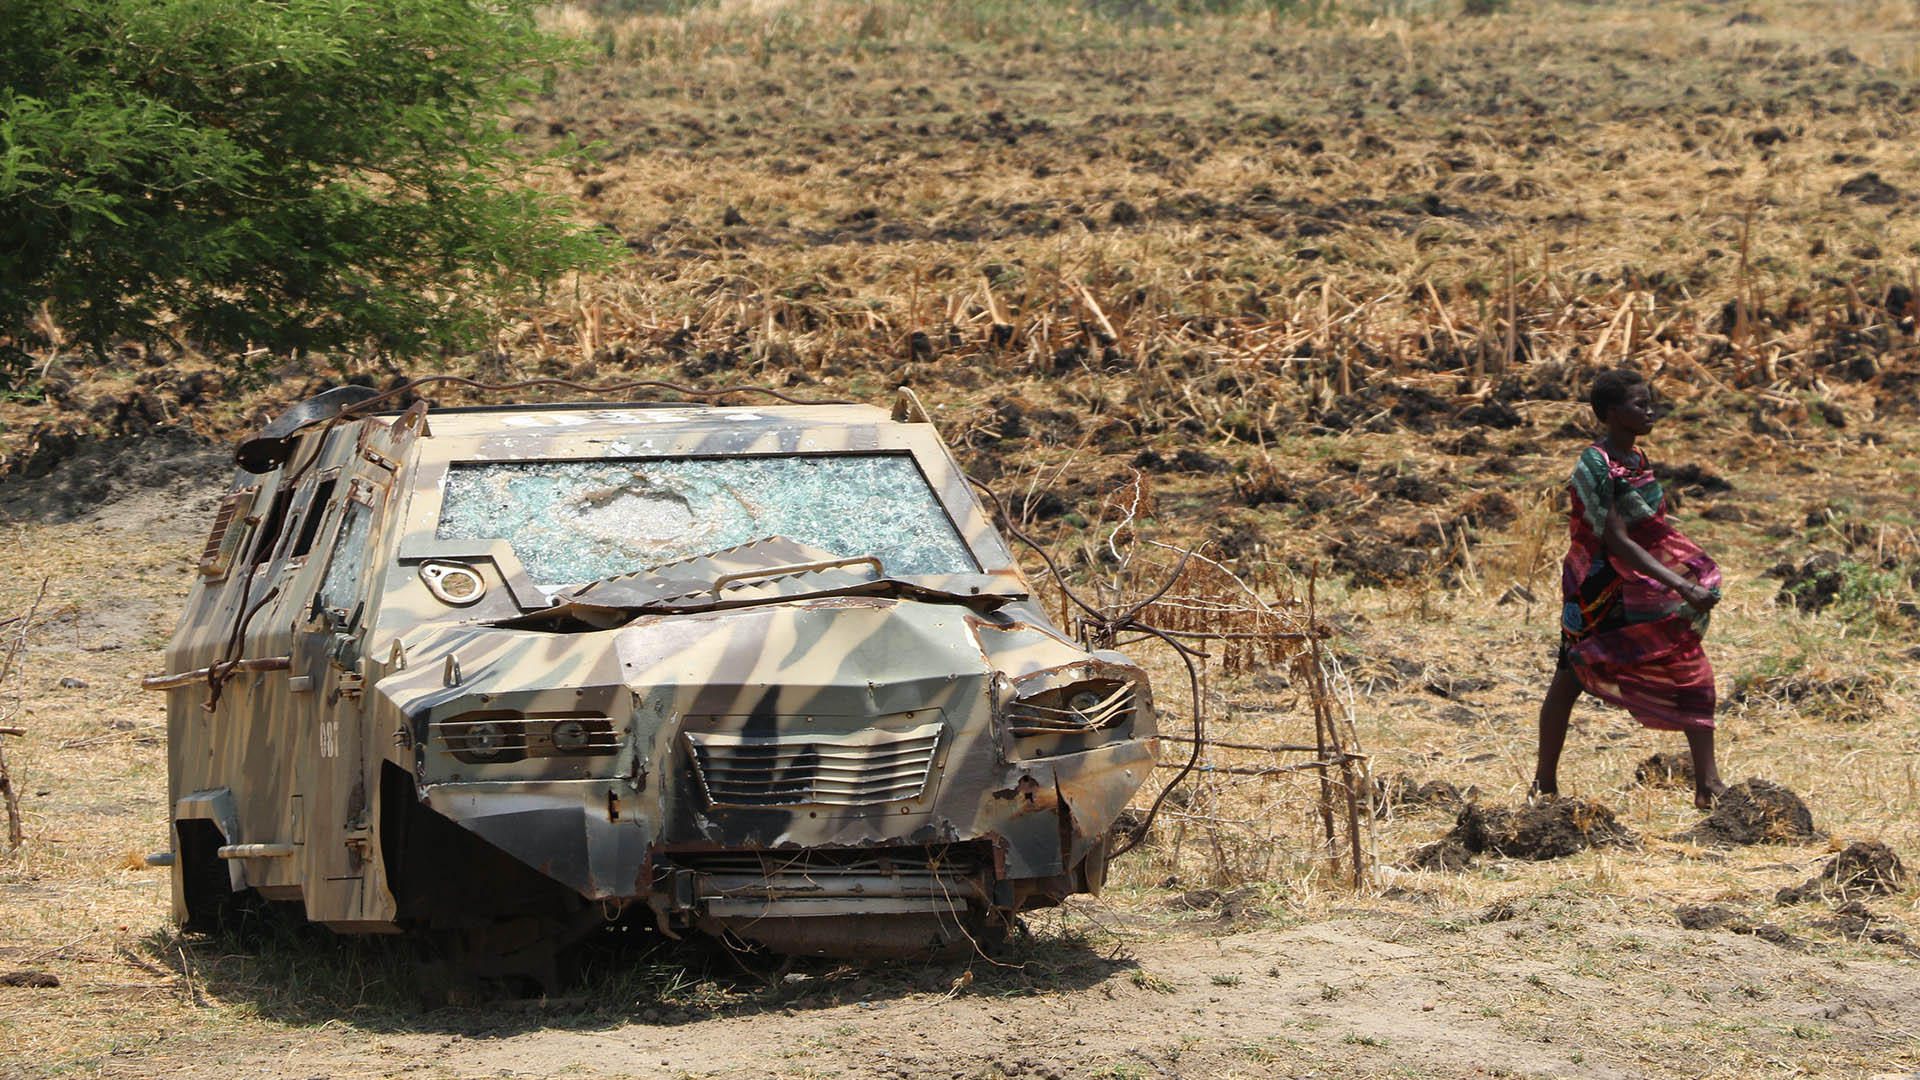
<point x="866" y="881"/>
<point x="859" y="768"/>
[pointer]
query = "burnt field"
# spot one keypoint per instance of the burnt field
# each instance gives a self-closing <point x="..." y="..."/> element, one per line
<point x="1315" y="294"/>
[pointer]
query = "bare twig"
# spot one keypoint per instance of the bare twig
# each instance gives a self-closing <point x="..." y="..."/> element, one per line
<point x="8" y="794"/>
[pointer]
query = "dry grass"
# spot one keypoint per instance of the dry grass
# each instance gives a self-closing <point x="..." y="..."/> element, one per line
<point x="1624" y="242"/>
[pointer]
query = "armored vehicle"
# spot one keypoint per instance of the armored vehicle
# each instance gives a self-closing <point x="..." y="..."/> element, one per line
<point x="768" y="674"/>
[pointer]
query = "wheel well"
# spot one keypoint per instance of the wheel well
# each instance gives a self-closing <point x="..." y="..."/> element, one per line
<point x="206" y="882"/>
<point x="446" y="877"/>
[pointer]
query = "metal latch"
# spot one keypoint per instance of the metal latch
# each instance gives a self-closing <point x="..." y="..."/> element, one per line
<point x="358" y="838"/>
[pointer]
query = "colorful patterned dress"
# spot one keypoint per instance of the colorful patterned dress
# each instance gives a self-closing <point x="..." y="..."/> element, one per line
<point x="1631" y="640"/>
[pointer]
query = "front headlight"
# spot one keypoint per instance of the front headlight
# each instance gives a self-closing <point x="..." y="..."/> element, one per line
<point x="497" y="737"/>
<point x="1082" y="706"/>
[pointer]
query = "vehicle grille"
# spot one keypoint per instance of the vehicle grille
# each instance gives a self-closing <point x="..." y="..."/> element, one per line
<point x="860" y="768"/>
<point x="764" y="882"/>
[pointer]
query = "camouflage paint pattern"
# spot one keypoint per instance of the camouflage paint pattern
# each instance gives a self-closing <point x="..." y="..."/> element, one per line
<point x="762" y="740"/>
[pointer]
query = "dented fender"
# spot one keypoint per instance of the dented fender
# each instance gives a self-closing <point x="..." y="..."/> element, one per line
<point x="1053" y="812"/>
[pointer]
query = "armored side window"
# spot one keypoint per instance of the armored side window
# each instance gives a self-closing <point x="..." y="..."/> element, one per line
<point x="340" y="589"/>
<point x="275" y="521"/>
<point x="315" y="513"/>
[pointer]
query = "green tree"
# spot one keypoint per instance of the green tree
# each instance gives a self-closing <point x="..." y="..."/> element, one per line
<point x="292" y="175"/>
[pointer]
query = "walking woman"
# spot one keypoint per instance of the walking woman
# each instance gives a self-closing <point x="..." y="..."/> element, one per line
<point x="1637" y="593"/>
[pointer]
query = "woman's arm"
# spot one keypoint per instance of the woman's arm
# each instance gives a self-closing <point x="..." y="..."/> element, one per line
<point x="1623" y="547"/>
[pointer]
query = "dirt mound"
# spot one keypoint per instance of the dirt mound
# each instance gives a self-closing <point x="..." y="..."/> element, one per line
<point x="1691" y="480"/>
<point x="1407" y="791"/>
<point x="1447" y="853"/>
<point x="1870" y="189"/>
<point x="1754" y="812"/>
<point x="1665" y="770"/>
<point x="1812" y="583"/>
<point x="1722" y="917"/>
<point x="65" y="475"/>
<point x="1218" y="906"/>
<point x="1505" y="909"/>
<point x="1705" y="916"/>
<point x="1547" y="830"/>
<point x="1863" y="868"/>
<point x="1849" y="699"/>
<point x="1854" y="922"/>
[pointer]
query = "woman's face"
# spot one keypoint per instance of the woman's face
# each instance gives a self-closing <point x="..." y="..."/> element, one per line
<point x="1634" y="414"/>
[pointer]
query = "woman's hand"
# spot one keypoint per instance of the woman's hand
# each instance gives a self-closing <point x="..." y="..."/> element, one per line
<point x="1698" y="596"/>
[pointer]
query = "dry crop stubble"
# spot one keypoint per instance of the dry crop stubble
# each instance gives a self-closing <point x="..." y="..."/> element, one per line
<point x="77" y="901"/>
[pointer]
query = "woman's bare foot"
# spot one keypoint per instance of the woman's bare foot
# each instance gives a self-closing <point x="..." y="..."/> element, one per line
<point x="1704" y="794"/>
<point x="1707" y="785"/>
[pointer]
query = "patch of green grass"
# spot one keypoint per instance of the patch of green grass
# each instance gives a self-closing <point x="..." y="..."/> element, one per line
<point x="1259" y="1053"/>
<point x="1147" y="980"/>
<point x="1354" y="1038"/>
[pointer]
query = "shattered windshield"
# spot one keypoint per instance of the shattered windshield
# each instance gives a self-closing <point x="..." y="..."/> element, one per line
<point x="577" y="521"/>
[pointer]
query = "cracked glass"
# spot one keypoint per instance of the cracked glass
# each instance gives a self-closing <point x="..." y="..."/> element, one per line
<point x="341" y="586"/>
<point x="571" y="522"/>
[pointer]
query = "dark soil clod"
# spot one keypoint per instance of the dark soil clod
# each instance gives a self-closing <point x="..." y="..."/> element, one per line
<point x="1755" y="812"/>
<point x="1722" y="917"/>
<point x="1811" y="584"/>
<point x="1443" y="854"/>
<point x="1372" y="564"/>
<point x="1224" y="906"/>
<point x="32" y="980"/>
<point x="1691" y="479"/>
<point x="1778" y="935"/>
<point x="1547" y="830"/>
<point x="1407" y="791"/>
<point x="1870" y="189"/>
<point x="1705" y="916"/>
<point x="1863" y="868"/>
<point x="80" y="473"/>
<point x="1854" y="699"/>
<point x="1501" y="910"/>
<point x="1665" y="770"/>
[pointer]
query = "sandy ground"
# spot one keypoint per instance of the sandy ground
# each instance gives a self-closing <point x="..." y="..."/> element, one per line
<point x="1359" y="995"/>
<point x="1564" y="973"/>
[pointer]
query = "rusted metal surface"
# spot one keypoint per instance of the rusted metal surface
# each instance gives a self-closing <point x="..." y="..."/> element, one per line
<point x="254" y="851"/>
<point x="169" y="682"/>
<point x="779" y="740"/>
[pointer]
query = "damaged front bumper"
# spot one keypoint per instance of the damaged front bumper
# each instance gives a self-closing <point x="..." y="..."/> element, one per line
<point x="937" y="767"/>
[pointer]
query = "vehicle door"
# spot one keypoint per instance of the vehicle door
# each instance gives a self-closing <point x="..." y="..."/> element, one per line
<point x="338" y="760"/>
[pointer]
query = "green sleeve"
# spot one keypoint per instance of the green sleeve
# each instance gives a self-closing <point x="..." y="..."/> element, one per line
<point x="1593" y="484"/>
